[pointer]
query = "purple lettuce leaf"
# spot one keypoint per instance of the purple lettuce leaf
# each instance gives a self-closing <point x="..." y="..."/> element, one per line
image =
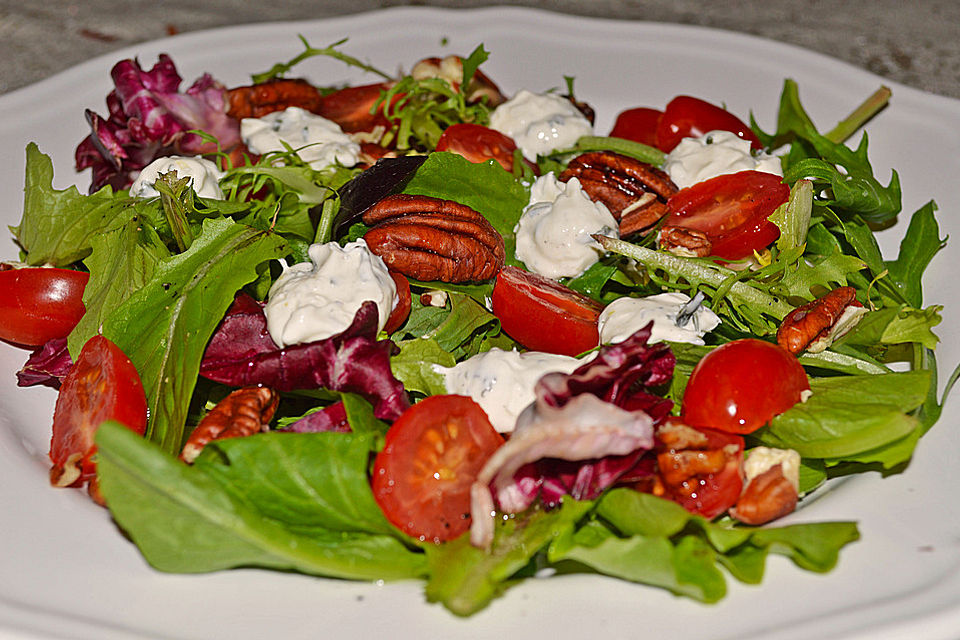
<point x="620" y="374"/>
<point x="332" y="418"/>
<point x="564" y="445"/>
<point x="46" y="366"/>
<point x="149" y="118"/>
<point x="239" y="354"/>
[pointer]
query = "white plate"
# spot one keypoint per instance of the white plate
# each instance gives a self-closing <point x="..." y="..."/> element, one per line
<point x="65" y="571"/>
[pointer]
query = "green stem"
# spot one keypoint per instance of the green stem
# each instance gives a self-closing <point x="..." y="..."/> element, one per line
<point x="330" y="51"/>
<point x="869" y="108"/>
<point x="636" y="150"/>
<point x="713" y="275"/>
<point x="325" y="226"/>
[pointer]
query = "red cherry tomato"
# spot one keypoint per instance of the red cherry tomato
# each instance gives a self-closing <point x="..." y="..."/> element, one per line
<point x="478" y="144"/>
<point x="732" y="210"/>
<point x="544" y="315"/>
<point x="639" y="124"/>
<point x="351" y="107"/>
<point x="38" y="304"/>
<point x="431" y="457"/>
<point x="686" y="117"/>
<point x="401" y="311"/>
<point x="739" y="386"/>
<point x="710" y="494"/>
<point x="101" y="385"/>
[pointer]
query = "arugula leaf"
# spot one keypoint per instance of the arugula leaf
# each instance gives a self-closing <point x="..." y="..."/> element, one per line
<point x="194" y="519"/>
<point x="164" y="327"/>
<point x="57" y="227"/>
<point x="122" y="262"/>
<point x="920" y="243"/>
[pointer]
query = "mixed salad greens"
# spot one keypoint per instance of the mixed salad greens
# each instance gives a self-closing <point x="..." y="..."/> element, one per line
<point x="165" y="273"/>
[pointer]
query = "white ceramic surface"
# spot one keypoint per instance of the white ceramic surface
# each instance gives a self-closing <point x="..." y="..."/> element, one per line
<point x="65" y="571"/>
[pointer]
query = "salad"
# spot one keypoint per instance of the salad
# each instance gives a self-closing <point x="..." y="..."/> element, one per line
<point x="165" y="288"/>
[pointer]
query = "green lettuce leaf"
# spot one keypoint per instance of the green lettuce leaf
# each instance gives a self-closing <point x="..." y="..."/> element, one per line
<point x="164" y="327"/>
<point x="57" y="227"/>
<point x="850" y="415"/>
<point x="196" y="519"/>
<point x="465" y="579"/>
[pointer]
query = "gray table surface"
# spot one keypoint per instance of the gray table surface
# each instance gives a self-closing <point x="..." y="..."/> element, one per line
<point x="916" y="43"/>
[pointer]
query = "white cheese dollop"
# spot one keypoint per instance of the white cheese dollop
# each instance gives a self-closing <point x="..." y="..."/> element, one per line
<point x="553" y="233"/>
<point x="318" y="299"/>
<point x="762" y="459"/>
<point x="540" y="122"/>
<point x="319" y="142"/>
<point x="502" y="382"/>
<point x="713" y="154"/>
<point x="204" y="176"/>
<point x="624" y="316"/>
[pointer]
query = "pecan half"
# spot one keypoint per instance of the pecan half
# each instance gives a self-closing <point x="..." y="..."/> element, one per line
<point x="635" y="192"/>
<point x="688" y="243"/>
<point x="814" y="326"/>
<point x="432" y="239"/>
<point x="244" y="412"/>
<point x="450" y="69"/>
<point x="686" y="462"/>
<point x="767" y="497"/>
<point x="256" y="101"/>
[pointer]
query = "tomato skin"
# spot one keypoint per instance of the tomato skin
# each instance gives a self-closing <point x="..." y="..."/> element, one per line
<point x="543" y="315"/>
<point x="739" y="386"/>
<point x="38" y="304"/>
<point x="638" y="124"/>
<point x="478" y="144"/>
<point x="431" y="457"/>
<point x="401" y="311"/>
<point x="686" y="117"/>
<point x="351" y="107"/>
<point x="101" y="385"/>
<point x="733" y="211"/>
<point x="711" y="494"/>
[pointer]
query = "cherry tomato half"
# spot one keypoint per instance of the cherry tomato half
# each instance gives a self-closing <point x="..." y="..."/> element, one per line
<point x="543" y="315"/>
<point x="101" y="385"/>
<point x="739" y="386"/>
<point x="708" y="494"/>
<point x="478" y="144"/>
<point x="351" y="107"/>
<point x="431" y="457"/>
<point x="38" y="304"/>
<point x="639" y="124"/>
<point x="401" y="311"/>
<point x="732" y="210"/>
<point x="686" y="117"/>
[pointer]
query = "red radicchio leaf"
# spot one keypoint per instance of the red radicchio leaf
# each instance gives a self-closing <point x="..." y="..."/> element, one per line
<point x="332" y="418"/>
<point x="46" y="366"/>
<point x="149" y="118"/>
<point x="241" y="353"/>
<point x="620" y="374"/>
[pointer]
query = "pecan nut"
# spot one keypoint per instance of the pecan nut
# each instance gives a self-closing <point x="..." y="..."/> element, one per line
<point x="816" y="325"/>
<point x="688" y="243"/>
<point x="686" y="460"/>
<point x="244" y="412"/>
<point x="450" y="68"/>
<point x="430" y="239"/>
<point x="635" y="192"/>
<point x="257" y="100"/>
<point x="766" y="497"/>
